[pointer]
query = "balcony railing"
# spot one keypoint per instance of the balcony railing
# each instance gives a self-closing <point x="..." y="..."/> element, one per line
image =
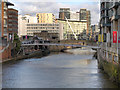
<point x="5" y="8"/>
<point x="5" y="17"/>
<point x="115" y="5"/>
<point x="5" y="25"/>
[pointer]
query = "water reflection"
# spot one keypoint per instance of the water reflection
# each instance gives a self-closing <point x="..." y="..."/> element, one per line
<point x="55" y="71"/>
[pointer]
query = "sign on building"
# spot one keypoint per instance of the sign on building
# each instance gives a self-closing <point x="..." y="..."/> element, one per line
<point x="114" y="36"/>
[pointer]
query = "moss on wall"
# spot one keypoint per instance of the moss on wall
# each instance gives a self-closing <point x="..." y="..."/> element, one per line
<point x="113" y="70"/>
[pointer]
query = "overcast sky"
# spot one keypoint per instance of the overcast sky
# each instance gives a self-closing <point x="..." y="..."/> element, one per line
<point x="52" y="6"/>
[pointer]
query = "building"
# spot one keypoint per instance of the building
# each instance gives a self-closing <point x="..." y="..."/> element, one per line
<point x="78" y="28"/>
<point x="88" y="23"/>
<point x="64" y="13"/>
<point x="21" y="26"/>
<point x="77" y="19"/>
<point x="85" y="15"/>
<point x="5" y="5"/>
<point x="44" y="30"/>
<point x="110" y="29"/>
<point x="12" y="23"/>
<point x="94" y="31"/>
<point x="0" y="18"/>
<point x="109" y="39"/>
<point x="45" y="18"/>
<point x="74" y="16"/>
<point x="22" y="21"/>
<point x="6" y="30"/>
<point x="0" y="43"/>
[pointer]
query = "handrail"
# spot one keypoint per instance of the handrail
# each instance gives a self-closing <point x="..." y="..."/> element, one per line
<point x="1" y="51"/>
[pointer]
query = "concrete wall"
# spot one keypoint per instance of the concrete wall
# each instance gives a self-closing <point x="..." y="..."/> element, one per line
<point x="110" y="68"/>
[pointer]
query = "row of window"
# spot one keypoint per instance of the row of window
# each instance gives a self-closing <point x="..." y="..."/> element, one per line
<point x="47" y="28"/>
<point x="42" y="24"/>
<point x="50" y="31"/>
<point x="13" y="17"/>
<point x="12" y="21"/>
<point x="12" y="25"/>
<point x="12" y="29"/>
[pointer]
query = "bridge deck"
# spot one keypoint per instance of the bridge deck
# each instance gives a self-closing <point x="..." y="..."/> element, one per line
<point x="55" y="44"/>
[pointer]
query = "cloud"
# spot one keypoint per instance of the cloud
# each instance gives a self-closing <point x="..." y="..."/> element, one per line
<point x="56" y="0"/>
<point x="53" y="7"/>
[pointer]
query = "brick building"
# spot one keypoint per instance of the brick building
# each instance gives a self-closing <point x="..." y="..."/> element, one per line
<point x="5" y="45"/>
<point x="12" y="23"/>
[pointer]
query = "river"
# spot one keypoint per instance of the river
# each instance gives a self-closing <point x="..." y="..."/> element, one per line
<point x="59" y="70"/>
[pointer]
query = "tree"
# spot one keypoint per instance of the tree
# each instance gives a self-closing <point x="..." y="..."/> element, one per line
<point x="16" y="43"/>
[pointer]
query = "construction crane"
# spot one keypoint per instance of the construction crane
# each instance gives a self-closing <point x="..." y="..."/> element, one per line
<point x="71" y="28"/>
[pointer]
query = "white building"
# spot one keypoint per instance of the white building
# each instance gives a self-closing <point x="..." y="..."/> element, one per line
<point x="38" y="28"/>
<point x="28" y="26"/>
<point x="22" y="21"/>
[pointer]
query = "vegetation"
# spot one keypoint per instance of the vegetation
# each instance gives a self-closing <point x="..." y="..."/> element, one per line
<point x="16" y="43"/>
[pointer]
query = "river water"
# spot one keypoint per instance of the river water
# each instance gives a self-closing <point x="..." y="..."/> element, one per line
<point x="59" y="70"/>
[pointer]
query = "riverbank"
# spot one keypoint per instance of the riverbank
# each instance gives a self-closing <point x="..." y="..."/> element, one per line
<point x="111" y="68"/>
<point x="37" y="54"/>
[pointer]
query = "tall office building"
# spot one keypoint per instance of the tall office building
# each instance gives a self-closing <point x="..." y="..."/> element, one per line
<point x="88" y="23"/>
<point x="45" y="18"/>
<point x="64" y="12"/>
<point x="85" y="16"/>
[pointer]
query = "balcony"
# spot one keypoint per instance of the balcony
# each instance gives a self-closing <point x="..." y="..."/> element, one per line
<point x="5" y="34"/>
<point x="5" y="25"/>
<point x="115" y="5"/>
<point x="104" y="16"/>
<point x="107" y="25"/>
<point x="5" y="17"/>
<point x="5" y="8"/>
<point x="104" y="9"/>
<point x="115" y="17"/>
<point x="10" y="29"/>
